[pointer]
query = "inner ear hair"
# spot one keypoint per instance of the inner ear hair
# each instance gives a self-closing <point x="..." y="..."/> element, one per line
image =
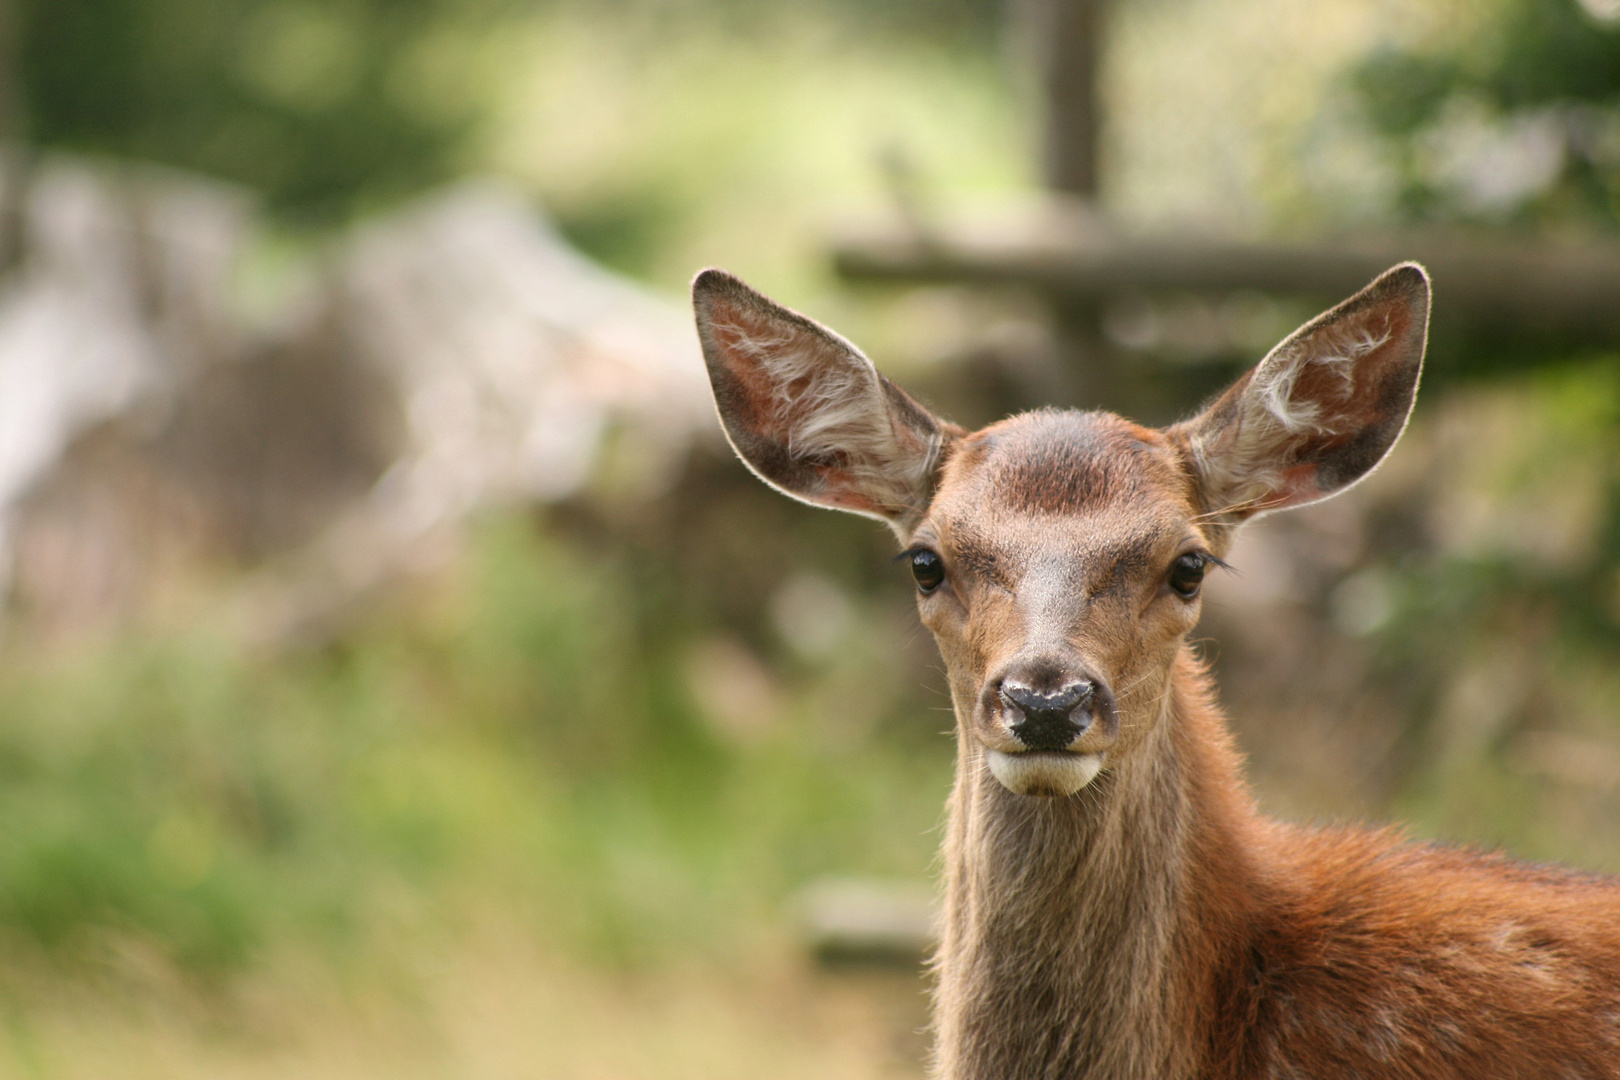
<point x="1321" y="410"/>
<point x="808" y="413"/>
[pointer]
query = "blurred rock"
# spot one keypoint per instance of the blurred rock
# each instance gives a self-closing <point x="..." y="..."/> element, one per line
<point x="456" y="355"/>
<point x="516" y="369"/>
<point x="812" y="615"/>
<point x="514" y="356"/>
<point x="864" y="921"/>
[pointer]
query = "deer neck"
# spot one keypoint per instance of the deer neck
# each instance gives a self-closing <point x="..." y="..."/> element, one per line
<point x="1078" y="930"/>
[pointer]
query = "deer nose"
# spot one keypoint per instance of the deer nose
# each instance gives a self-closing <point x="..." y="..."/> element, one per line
<point x="1050" y="721"/>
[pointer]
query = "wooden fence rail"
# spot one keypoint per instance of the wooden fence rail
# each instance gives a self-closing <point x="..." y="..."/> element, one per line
<point x="1569" y="291"/>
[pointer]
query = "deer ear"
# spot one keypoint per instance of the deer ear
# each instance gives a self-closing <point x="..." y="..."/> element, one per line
<point x="1320" y="411"/>
<point x="808" y="413"/>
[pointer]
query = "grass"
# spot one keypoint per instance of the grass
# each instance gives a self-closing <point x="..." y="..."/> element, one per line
<point x="516" y="738"/>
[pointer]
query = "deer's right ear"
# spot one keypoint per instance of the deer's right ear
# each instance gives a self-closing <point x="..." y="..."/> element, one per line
<point x="810" y="414"/>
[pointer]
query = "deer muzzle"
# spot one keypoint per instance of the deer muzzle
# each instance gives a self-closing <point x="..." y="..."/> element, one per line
<point x="1059" y="731"/>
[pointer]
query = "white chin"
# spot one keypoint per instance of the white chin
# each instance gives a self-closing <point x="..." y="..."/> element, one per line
<point x="1045" y="772"/>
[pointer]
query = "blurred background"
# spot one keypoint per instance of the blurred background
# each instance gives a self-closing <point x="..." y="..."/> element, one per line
<point x="400" y="678"/>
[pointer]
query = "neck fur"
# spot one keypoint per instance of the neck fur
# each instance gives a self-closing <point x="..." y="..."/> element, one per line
<point x="1071" y="945"/>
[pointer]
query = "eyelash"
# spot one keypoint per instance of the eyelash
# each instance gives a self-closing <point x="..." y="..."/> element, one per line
<point x="1209" y="560"/>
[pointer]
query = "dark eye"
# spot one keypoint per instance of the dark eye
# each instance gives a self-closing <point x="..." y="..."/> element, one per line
<point x="1186" y="574"/>
<point x="928" y="569"/>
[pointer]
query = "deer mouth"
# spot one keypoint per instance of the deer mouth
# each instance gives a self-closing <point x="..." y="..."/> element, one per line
<point x="1044" y="772"/>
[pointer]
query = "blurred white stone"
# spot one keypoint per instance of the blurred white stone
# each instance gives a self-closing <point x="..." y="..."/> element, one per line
<point x="1493" y="164"/>
<point x="514" y="356"/>
<point x="866" y="920"/>
<point x="122" y="286"/>
<point x="1363" y="603"/>
<point x="812" y="614"/>
<point x="1607" y="11"/>
<point x="455" y="355"/>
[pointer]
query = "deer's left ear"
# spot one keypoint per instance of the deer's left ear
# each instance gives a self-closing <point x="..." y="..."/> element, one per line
<point x="1320" y="411"/>
<point x="808" y="413"/>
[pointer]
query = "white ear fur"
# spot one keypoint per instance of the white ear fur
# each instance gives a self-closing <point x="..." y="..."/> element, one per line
<point x="1321" y="410"/>
<point x="810" y="414"/>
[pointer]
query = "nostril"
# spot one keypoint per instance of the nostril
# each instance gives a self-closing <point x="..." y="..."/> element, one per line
<point x="1048" y="721"/>
<point x="1060" y="702"/>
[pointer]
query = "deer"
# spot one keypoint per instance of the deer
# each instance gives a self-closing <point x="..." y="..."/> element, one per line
<point x="1116" y="906"/>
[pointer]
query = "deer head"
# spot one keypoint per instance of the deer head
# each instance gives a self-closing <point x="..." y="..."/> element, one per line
<point x="1059" y="555"/>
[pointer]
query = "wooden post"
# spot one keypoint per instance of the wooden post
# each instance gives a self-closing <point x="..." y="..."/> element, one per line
<point x="1069" y="35"/>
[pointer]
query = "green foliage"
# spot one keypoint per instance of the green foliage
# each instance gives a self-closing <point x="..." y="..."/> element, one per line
<point x="1403" y="92"/>
<point x="316" y="104"/>
<point x="1551" y="51"/>
<point x="329" y="106"/>
<point x="1535" y="52"/>
<point x="1549" y="62"/>
<point x="664" y="136"/>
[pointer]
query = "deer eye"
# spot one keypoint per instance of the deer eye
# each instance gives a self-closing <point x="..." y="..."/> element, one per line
<point x="1186" y="574"/>
<point x="928" y="568"/>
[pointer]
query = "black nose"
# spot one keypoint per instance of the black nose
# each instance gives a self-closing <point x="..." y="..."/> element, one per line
<point x="1049" y="721"/>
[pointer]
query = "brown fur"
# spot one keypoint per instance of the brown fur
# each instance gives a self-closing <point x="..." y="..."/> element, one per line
<point x="1151" y="924"/>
